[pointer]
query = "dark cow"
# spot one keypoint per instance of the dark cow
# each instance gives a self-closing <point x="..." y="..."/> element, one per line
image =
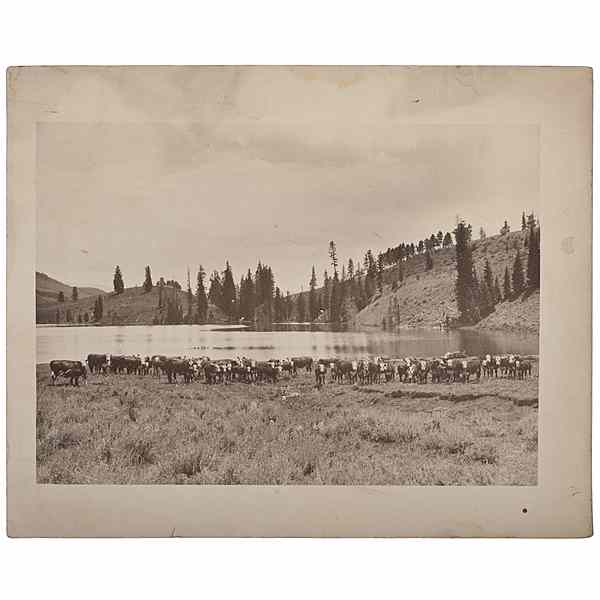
<point x="212" y="373"/>
<point x="523" y="368"/>
<point x="125" y="364"/>
<point x="438" y="371"/>
<point x="303" y="362"/>
<point x="178" y="366"/>
<point x="69" y="369"/>
<point x="373" y="372"/>
<point x="267" y="373"/>
<point x="157" y="363"/>
<point x="471" y="366"/>
<point x="455" y="369"/>
<point x="97" y="363"/>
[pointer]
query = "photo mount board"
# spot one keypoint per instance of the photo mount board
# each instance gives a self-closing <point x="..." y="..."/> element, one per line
<point x="557" y="100"/>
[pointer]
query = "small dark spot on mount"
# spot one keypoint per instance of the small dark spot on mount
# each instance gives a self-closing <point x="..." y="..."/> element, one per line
<point x="524" y="511"/>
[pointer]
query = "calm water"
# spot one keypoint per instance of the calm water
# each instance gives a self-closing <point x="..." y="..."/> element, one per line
<point x="204" y="340"/>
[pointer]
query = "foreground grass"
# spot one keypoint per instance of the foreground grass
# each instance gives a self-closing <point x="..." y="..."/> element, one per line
<point x="136" y="430"/>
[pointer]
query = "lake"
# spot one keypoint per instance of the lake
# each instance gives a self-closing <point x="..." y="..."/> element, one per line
<point x="223" y="342"/>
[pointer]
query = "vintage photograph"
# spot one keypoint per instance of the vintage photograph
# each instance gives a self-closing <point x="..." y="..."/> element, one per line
<point x="322" y="284"/>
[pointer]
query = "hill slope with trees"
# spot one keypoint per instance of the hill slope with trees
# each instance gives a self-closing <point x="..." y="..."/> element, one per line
<point x="425" y="297"/>
<point x="47" y="289"/>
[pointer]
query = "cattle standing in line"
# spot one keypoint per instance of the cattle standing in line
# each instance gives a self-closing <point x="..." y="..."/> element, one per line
<point x="69" y="369"/>
<point x="97" y="363"/>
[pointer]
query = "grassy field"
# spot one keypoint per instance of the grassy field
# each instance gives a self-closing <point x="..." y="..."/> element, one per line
<point x="136" y="430"/>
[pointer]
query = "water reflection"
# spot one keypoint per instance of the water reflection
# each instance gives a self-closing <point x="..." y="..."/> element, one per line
<point x="190" y="340"/>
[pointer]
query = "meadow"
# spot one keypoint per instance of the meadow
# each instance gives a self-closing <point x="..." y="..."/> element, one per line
<point x="129" y="429"/>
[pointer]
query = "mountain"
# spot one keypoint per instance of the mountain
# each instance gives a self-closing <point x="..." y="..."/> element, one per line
<point x="424" y="297"/>
<point x="47" y="289"/>
<point x="134" y="306"/>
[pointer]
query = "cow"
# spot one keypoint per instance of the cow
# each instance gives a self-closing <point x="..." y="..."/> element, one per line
<point x="471" y="366"/>
<point x="372" y="372"/>
<point x="455" y="369"/>
<point x="97" y="363"/>
<point x="502" y="365"/>
<point x="414" y="372"/>
<point x="489" y="366"/>
<point x="288" y="367"/>
<point x="156" y="364"/>
<point x="438" y="371"/>
<point x="178" y="366"/>
<point x="303" y="362"/>
<point x="320" y="372"/>
<point x="523" y="368"/>
<point x="69" y="369"/>
<point x="265" y="372"/>
<point x="212" y="373"/>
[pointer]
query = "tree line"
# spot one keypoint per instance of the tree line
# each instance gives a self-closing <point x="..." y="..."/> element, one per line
<point x="478" y="294"/>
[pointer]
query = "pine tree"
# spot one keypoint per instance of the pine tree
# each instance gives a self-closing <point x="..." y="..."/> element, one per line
<point x="350" y="269"/>
<point x="428" y="261"/>
<point x="201" y="299"/>
<point x="61" y="296"/>
<point x="278" y="306"/>
<point x="334" y="299"/>
<point x="400" y="271"/>
<point x="466" y="284"/>
<point x="300" y="310"/>
<point x="118" y="284"/>
<point x="482" y="235"/>
<point x="249" y="298"/>
<point x="523" y="222"/>
<point x="447" y="240"/>
<point x="505" y="228"/>
<point x="518" y="280"/>
<point x="215" y="290"/>
<point x="507" y="290"/>
<point x="497" y="292"/>
<point x="333" y="256"/>
<point x="326" y="290"/>
<point x="189" y="318"/>
<point x="313" y="308"/>
<point x="288" y="306"/>
<point x="75" y="294"/>
<point x="98" y="309"/>
<point x="148" y="280"/>
<point x="533" y="259"/>
<point x="380" y="272"/>
<point x="161" y="286"/>
<point x="228" y="292"/>
<point x="488" y="279"/>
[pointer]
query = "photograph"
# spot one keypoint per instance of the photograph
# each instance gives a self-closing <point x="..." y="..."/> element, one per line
<point x="315" y="277"/>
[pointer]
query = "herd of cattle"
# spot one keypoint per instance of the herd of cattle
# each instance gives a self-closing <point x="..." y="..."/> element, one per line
<point x="452" y="367"/>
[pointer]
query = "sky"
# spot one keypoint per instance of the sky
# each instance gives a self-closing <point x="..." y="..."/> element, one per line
<point x="202" y="166"/>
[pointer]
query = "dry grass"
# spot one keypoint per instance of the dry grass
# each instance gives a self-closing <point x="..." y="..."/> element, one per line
<point x="129" y="429"/>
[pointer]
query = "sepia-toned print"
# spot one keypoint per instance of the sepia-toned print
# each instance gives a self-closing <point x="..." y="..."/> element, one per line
<point x="292" y="286"/>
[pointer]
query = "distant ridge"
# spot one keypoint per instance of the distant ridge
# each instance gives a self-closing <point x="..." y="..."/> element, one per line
<point x="47" y="289"/>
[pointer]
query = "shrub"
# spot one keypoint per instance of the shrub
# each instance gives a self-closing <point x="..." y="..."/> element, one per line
<point x="139" y="452"/>
<point x="483" y="453"/>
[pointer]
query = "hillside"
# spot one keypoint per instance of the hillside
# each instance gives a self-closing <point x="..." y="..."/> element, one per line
<point x="424" y="296"/>
<point x="47" y="289"/>
<point x="133" y="307"/>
